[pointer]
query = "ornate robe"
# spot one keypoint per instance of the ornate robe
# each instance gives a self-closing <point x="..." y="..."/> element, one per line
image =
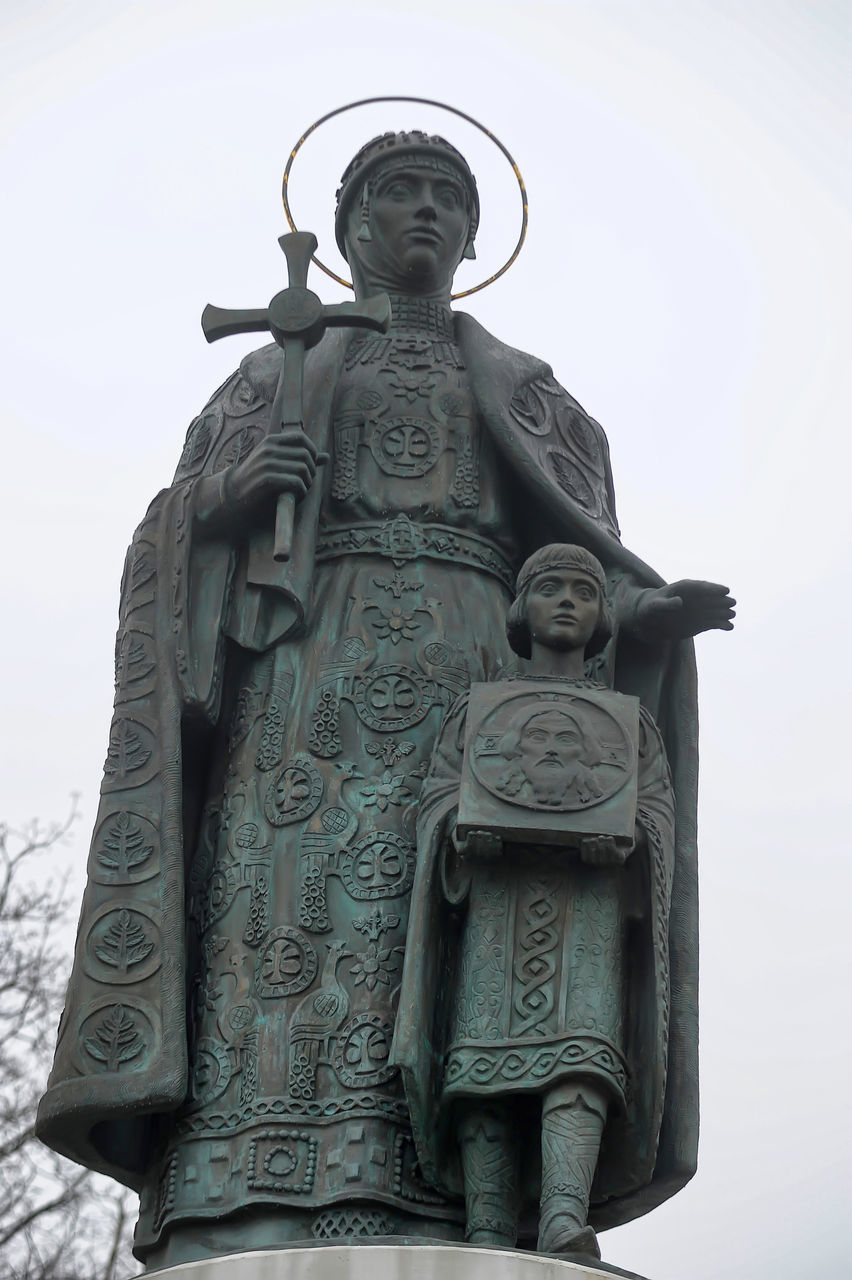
<point x="225" y="1043"/>
<point x="548" y="971"/>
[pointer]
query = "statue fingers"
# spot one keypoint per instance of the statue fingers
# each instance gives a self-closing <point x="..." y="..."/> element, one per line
<point x="603" y="851"/>
<point x="288" y="471"/>
<point x="291" y="436"/>
<point x="484" y="844"/>
<point x="693" y="587"/>
<point x="288" y="453"/>
<point x="294" y="435"/>
<point x="718" y="616"/>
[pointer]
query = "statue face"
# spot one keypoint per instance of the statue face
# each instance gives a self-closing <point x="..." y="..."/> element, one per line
<point x="549" y="749"/>
<point x="563" y="608"/>
<point x="419" y="225"/>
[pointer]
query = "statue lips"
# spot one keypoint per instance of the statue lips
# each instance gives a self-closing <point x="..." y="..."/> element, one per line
<point x="430" y="234"/>
<point x="561" y="620"/>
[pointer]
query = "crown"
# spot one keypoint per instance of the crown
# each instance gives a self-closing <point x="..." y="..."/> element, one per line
<point x="415" y="149"/>
<point x="561" y="555"/>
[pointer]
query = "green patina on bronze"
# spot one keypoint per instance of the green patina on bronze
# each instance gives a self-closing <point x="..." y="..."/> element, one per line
<point x="227" y="1042"/>
<point x="543" y="892"/>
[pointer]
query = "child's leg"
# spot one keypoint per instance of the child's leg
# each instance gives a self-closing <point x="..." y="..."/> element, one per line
<point x="572" y="1122"/>
<point x="490" y="1166"/>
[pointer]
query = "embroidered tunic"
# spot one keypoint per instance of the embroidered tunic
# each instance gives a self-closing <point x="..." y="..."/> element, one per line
<point x="300" y="884"/>
<point x="221" y="1051"/>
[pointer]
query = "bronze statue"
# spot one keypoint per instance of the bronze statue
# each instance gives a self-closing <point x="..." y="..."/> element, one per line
<point x="226" y="1043"/>
<point x="543" y="1066"/>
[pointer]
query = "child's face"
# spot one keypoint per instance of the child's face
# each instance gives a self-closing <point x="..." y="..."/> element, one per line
<point x="563" y="608"/>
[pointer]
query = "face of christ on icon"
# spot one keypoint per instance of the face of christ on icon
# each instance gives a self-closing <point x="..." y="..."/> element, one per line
<point x="550" y="758"/>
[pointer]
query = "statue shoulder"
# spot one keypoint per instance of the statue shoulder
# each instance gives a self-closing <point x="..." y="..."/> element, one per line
<point x="232" y="421"/>
<point x="236" y="417"/>
<point x="537" y="399"/>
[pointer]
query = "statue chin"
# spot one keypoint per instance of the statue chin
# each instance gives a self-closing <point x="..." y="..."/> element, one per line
<point x="422" y="266"/>
<point x="418" y="270"/>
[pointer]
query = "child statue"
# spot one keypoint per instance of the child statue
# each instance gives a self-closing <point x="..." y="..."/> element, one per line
<point x="533" y="1023"/>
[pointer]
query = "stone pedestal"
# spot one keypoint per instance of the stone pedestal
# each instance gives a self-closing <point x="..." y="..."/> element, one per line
<point x="387" y="1262"/>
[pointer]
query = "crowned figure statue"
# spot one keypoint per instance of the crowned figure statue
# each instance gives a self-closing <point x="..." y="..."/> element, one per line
<point x="226" y="1047"/>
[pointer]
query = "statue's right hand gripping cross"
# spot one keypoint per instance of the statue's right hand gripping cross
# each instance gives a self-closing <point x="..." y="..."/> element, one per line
<point x="297" y="320"/>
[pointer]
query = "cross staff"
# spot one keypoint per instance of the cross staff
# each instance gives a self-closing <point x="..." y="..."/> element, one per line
<point x="297" y="320"/>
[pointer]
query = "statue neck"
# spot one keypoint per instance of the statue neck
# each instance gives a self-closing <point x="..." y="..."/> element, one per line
<point x="566" y="664"/>
<point x="413" y="314"/>
<point x="370" y="279"/>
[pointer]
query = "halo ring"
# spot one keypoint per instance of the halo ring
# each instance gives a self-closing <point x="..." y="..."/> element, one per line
<point x="427" y="102"/>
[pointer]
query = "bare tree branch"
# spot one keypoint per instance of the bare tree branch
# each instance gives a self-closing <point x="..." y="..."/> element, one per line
<point x="57" y="1221"/>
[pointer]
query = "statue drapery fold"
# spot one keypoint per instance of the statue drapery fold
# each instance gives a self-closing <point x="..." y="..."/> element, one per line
<point x="188" y="593"/>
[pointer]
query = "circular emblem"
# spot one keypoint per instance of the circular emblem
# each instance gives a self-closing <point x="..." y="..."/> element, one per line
<point x="353" y="648"/>
<point x="245" y="837"/>
<point x="393" y="698"/>
<point x="405" y="446"/>
<point x="286" y="963"/>
<point x="572" y="480"/>
<point x="241" y="398"/>
<point x="238" y="446"/>
<point x="118" y="1036"/>
<point x="561" y="753"/>
<point x="380" y="865"/>
<point x="367" y="400"/>
<point x="363" y="1050"/>
<point x="239" y="1017"/>
<point x="126" y="849"/>
<point x="294" y="311"/>
<point x="123" y="944"/>
<point x="293" y="793"/>
<point x="437" y="652"/>
<point x="453" y="403"/>
<point x="578" y="434"/>
<point x="334" y="821"/>
<point x="210" y="1075"/>
<point x="221" y="888"/>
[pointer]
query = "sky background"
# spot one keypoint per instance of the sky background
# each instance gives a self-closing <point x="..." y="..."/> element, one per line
<point x="688" y="274"/>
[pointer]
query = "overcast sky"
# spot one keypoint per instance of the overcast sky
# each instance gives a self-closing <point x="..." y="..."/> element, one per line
<point x="688" y="274"/>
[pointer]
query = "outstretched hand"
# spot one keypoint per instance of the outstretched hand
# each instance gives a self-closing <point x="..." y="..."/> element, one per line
<point x="684" y="609"/>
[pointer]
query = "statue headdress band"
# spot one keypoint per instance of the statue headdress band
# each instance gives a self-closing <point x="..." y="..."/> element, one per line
<point x="561" y="555"/>
<point x="403" y="150"/>
<point x="428" y="102"/>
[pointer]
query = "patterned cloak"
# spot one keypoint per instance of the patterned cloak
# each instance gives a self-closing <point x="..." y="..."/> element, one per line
<point x="121" y="1060"/>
